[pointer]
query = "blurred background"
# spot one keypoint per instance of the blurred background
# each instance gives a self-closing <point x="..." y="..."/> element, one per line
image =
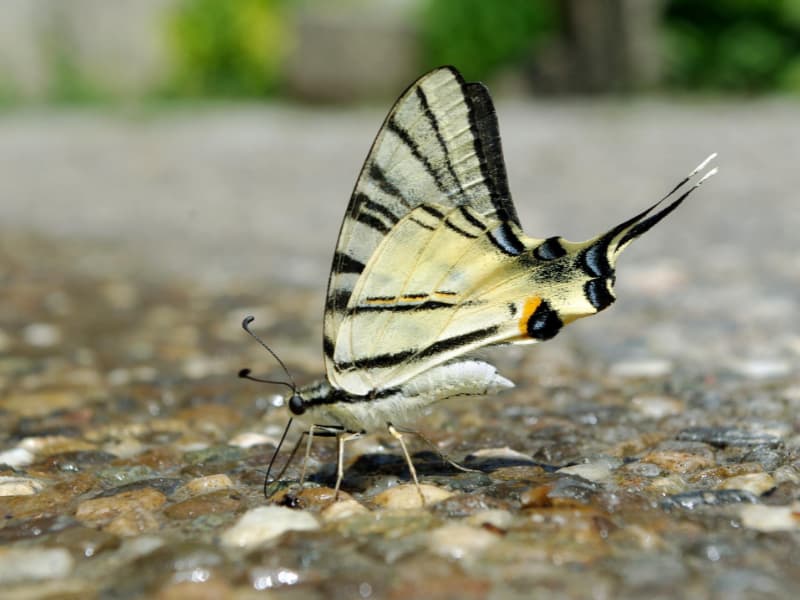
<point x="217" y="141"/>
<point x="91" y="51"/>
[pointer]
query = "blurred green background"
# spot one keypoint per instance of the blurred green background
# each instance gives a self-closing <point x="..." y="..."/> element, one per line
<point x="333" y="51"/>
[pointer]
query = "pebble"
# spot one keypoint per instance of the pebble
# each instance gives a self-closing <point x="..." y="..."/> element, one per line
<point x="342" y="510"/>
<point x="34" y="564"/>
<point x="248" y="439"/>
<point x="41" y="335"/>
<point x="133" y="523"/>
<point x="259" y="525"/>
<point x="658" y="407"/>
<point x="641" y="369"/>
<point x="209" y="483"/>
<point x="407" y="496"/>
<point x="691" y="500"/>
<point x="786" y="474"/>
<point x="599" y="471"/>
<point x="762" y="368"/>
<point x="679" y="462"/>
<point x="497" y="518"/>
<point x="219" y="501"/>
<point x="771" y="518"/>
<point x="460" y="540"/>
<point x="728" y="436"/>
<point x="100" y="510"/>
<point x="19" y="486"/>
<point x="755" y="483"/>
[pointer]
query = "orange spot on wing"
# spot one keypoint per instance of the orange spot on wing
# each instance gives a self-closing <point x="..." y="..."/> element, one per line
<point x="531" y="304"/>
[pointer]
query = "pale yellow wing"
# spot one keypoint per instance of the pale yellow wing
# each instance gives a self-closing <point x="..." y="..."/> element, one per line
<point x="438" y="145"/>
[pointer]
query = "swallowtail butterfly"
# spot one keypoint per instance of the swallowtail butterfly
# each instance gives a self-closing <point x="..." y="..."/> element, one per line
<point x="432" y="263"/>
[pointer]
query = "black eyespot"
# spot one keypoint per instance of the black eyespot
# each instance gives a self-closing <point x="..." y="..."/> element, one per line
<point x="544" y="323"/>
<point x="550" y="249"/>
<point x="296" y="404"/>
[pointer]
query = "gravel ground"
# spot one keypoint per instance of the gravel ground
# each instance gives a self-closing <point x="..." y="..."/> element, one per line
<point x="652" y="450"/>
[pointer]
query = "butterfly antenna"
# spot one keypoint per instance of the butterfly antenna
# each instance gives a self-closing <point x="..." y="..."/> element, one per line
<point x="274" y="456"/>
<point x="245" y="373"/>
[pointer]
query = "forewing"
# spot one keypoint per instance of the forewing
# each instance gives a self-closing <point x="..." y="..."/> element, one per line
<point x="438" y="146"/>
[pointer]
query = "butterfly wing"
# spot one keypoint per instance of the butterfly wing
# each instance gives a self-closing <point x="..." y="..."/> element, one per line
<point x="438" y="145"/>
<point x="432" y="262"/>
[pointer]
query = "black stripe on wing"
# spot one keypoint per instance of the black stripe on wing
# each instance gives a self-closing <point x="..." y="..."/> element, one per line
<point x="383" y="361"/>
<point x="423" y="100"/>
<point x="414" y="148"/>
<point x="486" y="138"/>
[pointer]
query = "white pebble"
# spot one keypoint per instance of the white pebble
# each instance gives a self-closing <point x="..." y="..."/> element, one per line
<point x="657" y="407"/>
<point x="34" y="564"/>
<point x="502" y="453"/>
<point x="644" y="368"/>
<point x="19" y="486"/>
<point x="599" y="470"/>
<point x="265" y="523"/>
<point x="16" y="457"/>
<point x="771" y="518"/>
<point x="496" y="517"/>
<point x="755" y="483"/>
<point x="41" y="335"/>
<point x="343" y="509"/>
<point x="407" y="496"/>
<point x="762" y="368"/>
<point x="458" y="540"/>
<point x="248" y="439"/>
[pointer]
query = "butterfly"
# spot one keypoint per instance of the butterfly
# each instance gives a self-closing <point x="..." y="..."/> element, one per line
<point x="432" y="263"/>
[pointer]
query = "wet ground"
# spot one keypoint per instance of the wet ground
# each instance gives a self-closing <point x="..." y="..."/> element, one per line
<point x="651" y="450"/>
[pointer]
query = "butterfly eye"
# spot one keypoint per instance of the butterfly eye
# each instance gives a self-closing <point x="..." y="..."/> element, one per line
<point x="296" y="404"/>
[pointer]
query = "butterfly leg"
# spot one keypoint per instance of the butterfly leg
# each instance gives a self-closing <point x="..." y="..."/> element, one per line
<point x="441" y="454"/>
<point x="398" y="435"/>
<point x="341" y="439"/>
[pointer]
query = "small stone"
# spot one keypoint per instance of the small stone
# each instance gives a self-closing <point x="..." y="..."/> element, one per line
<point x="786" y="474"/>
<point x="771" y="518"/>
<point x="133" y="523"/>
<point x="598" y="471"/>
<point x="728" y="436"/>
<point x="41" y="335"/>
<point x="248" y="439"/>
<point x="496" y="518"/>
<point x="34" y="564"/>
<point x="407" y="496"/>
<point x="209" y="483"/>
<point x="641" y="369"/>
<point x="220" y="501"/>
<point x="265" y="523"/>
<point x="99" y="510"/>
<point x="755" y="483"/>
<point x="460" y="541"/>
<point x="658" y="407"/>
<point x="500" y="454"/>
<point x="19" y="486"/>
<point x="691" y="500"/>
<point x="762" y="368"/>
<point x="679" y="462"/>
<point x="343" y="509"/>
